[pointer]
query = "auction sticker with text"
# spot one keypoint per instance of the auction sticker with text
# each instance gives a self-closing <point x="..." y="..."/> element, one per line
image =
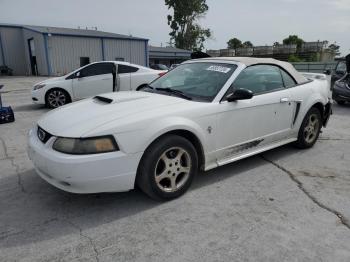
<point x="217" y="68"/>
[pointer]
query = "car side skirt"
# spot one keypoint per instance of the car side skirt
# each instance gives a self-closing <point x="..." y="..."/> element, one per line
<point x="252" y="152"/>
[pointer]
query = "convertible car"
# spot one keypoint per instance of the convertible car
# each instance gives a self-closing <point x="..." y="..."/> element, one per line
<point x="203" y="114"/>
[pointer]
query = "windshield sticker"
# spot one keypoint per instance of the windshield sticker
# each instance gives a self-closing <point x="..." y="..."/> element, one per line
<point x="220" y="69"/>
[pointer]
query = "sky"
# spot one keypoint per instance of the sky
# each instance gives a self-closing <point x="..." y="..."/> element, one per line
<point x="262" y="22"/>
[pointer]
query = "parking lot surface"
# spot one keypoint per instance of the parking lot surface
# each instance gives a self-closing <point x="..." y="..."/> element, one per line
<point x="282" y="205"/>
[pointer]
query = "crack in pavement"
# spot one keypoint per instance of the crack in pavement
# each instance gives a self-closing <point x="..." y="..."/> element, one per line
<point x="333" y="139"/>
<point x="300" y="185"/>
<point x="14" y="165"/>
<point x="91" y="241"/>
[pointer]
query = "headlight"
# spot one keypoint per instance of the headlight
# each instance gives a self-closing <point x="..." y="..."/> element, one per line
<point x="82" y="146"/>
<point x="36" y="87"/>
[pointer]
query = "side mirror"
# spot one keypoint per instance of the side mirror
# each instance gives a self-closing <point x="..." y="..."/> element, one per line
<point x="327" y="72"/>
<point x="78" y="74"/>
<point x="239" y="94"/>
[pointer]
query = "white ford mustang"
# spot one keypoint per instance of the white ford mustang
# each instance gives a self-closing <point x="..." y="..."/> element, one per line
<point x="93" y="79"/>
<point x="203" y="114"/>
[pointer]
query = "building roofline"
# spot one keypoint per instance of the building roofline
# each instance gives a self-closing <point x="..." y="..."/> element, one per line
<point x="29" y="27"/>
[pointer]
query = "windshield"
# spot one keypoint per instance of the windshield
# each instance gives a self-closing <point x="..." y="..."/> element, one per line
<point x="198" y="81"/>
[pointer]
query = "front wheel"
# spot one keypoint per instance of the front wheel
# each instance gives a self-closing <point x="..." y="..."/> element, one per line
<point x="309" y="129"/>
<point x="56" y="98"/>
<point x="167" y="168"/>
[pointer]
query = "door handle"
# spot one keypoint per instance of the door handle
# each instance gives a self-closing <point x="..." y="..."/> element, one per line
<point x="285" y="100"/>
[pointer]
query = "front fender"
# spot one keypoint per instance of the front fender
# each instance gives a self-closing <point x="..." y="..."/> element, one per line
<point x="139" y="140"/>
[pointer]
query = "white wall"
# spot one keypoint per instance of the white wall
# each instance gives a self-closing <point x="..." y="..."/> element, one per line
<point x="132" y="51"/>
<point x="65" y="52"/>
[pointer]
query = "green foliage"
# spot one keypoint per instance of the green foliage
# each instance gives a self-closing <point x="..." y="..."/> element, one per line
<point x="234" y="43"/>
<point x="314" y="58"/>
<point x="247" y="44"/>
<point x="294" y="58"/>
<point x="293" y="40"/>
<point x="334" y="48"/>
<point x="186" y="32"/>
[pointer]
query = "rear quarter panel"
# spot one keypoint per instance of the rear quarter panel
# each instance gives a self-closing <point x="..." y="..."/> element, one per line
<point x="316" y="91"/>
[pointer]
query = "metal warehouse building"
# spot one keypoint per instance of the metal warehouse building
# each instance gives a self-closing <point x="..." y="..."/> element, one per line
<point x="41" y="50"/>
<point x="168" y="55"/>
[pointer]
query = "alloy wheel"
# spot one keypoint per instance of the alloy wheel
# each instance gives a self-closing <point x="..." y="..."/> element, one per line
<point x="311" y="129"/>
<point x="56" y="98"/>
<point x="172" y="169"/>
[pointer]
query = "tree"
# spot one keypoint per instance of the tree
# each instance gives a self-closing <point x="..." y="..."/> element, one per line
<point x="247" y="44"/>
<point x="186" y="32"/>
<point x="334" y="48"/>
<point x="294" y="58"/>
<point x="234" y="43"/>
<point x="293" y="40"/>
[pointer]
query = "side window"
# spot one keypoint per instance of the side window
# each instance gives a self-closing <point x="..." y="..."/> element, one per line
<point x="287" y="79"/>
<point x="341" y="67"/>
<point x="259" y="79"/>
<point x="97" y="69"/>
<point x="123" y="69"/>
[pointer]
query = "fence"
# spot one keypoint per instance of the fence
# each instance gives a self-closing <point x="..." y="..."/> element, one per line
<point x="314" y="67"/>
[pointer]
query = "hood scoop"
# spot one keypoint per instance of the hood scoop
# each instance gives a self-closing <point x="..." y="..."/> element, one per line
<point x="118" y="99"/>
<point x="103" y="99"/>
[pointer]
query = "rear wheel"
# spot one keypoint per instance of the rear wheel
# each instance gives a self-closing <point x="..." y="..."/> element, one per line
<point x="56" y="98"/>
<point x="309" y="129"/>
<point x="167" y="168"/>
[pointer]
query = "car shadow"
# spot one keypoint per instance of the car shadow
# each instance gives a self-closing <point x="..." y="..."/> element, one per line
<point x="28" y="107"/>
<point x="34" y="211"/>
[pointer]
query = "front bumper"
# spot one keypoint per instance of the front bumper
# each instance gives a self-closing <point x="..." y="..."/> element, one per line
<point x="38" y="96"/>
<point x="107" y="172"/>
<point x="341" y="93"/>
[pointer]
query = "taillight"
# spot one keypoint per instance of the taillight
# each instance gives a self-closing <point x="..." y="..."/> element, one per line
<point x="161" y="74"/>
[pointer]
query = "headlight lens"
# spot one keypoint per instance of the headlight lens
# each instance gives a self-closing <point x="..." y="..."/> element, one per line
<point x="82" y="146"/>
<point x="36" y="87"/>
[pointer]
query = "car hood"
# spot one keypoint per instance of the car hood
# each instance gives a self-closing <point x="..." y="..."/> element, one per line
<point x="79" y="118"/>
<point x="51" y="80"/>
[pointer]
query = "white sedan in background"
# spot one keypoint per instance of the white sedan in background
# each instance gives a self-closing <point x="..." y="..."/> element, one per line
<point x="92" y="79"/>
<point x="203" y="114"/>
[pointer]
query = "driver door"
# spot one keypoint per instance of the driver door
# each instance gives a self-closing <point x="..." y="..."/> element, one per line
<point x="265" y="118"/>
<point x="94" y="79"/>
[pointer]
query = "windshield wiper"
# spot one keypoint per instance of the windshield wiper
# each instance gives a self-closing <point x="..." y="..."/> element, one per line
<point x="174" y="91"/>
<point x="150" y="87"/>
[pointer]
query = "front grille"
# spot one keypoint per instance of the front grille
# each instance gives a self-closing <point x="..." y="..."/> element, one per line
<point x="43" y="135"/>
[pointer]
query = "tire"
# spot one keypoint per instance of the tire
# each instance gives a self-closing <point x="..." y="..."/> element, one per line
<point x="167" y="168"/>
<point x="340" y="102"/>
<point x="310" y="129"/>
<point x="55" y="98"/>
